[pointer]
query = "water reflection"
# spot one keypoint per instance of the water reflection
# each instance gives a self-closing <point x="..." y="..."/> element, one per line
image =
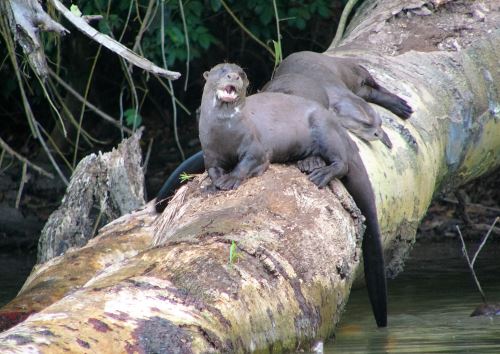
<point x="429" y="307"/>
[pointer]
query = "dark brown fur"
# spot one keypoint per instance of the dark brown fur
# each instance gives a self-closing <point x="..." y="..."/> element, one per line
<point x="240" y="138"/>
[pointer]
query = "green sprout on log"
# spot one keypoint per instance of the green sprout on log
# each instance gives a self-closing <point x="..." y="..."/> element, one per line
<point x="233" y="253"/>
<point x="184" y="177"/>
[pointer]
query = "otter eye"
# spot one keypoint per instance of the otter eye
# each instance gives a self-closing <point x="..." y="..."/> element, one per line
<point x="243" y="75"/>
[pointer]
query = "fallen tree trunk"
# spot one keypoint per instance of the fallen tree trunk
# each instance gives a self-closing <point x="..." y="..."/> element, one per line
<point x="298" y="246"/>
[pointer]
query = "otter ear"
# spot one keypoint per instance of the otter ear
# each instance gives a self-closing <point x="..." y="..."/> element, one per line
<point x="205" y="75"/>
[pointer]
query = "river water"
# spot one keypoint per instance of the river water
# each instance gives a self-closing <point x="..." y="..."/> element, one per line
<point x="429" y="307"/>
<point x="14" y="269"/>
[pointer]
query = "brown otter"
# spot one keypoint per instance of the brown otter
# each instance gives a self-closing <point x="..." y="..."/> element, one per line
<point x="345" y="84"/>
<point x="241" y="135"/>
<point x="355" y="114"/>
<point x="334" y="73"/>
<point x="345" y="76"/>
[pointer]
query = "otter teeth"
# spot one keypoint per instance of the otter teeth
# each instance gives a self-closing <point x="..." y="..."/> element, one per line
<point x="227" y="94"/>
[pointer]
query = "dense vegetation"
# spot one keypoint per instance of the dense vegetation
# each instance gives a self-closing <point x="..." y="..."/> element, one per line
<point x="187" y="36"/>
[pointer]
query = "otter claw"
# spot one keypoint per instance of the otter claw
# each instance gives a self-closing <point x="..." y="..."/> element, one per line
<point x="310" y="164"/>
<point x="321" y="176"/>
<point x="227" y="182"/>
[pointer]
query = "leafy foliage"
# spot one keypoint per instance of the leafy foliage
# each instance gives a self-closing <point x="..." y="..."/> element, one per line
<point x="205" y="24"/>
<point x="202" y="28"/>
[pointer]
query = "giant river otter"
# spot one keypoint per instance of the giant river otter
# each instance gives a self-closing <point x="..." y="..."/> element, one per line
<point x="336" y="83"/>
<point x="241" y="135"/>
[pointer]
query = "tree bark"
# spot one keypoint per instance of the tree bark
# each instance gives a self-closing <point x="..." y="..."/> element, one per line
<point x="298" y="247"/>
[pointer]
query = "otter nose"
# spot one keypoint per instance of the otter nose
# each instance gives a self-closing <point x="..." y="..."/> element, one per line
<point x="233" y="76"/>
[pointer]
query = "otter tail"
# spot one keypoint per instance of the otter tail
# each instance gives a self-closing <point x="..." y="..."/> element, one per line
<point x="194" y="164"/>
<point x="358" y="185"/>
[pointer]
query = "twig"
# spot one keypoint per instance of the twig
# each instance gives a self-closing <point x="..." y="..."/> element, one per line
<point x="172" y="94"/>
<point x="148" y="154"/>
<point x="10" y="151"/>
<point x="246" y="30"/>
<point x="471" y="267"/>
<point x="186" y="36"/>
<point x="483" y="242"/>
<point x="471" y="263"/>
<point x="475" y="205"/>
<point x="49" y="155"/>
<point x="89" y="105"/>
<point x="342" y="23"/>
<point x="9" y="43"/>
<point x="82" y="111"/>
<point x="278" y="52"/>
<point x="128" y="77"/>
<point x="21" y="186"/>
<point x="120" y="106"/>
<point x="113" y="45"/>
<point x="461" y="206"/>
<point x="146" y="21"/>
<point x="125" y="24"/>
<point x="2" y="155"/>
<point x="27" y="108"/>
<point x="96" y="223"/>
<point x="52" y="105"/>
<point x="166" y="87"/>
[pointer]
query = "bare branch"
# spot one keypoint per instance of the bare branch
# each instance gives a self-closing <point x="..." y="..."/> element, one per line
<point x="25" y="161"/>
<point x="93" y="108"/>
<point x="113" y="45"/>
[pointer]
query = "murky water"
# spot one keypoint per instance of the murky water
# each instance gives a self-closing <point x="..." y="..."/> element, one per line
<point x="429" y="307"/>
<point x="14" y="269"/>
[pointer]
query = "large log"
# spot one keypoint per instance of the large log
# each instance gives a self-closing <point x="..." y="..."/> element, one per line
<point x="298" y="246"/>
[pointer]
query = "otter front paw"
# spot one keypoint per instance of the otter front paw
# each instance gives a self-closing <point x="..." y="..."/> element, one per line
<point x="227" y="182"/>
<point x="321" y="176"/>
<point x="310" y="164"/>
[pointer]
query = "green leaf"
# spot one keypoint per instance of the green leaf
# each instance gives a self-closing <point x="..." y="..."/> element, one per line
<point x="205" y="40"/>
<point x="132" y="118"/>
<point x="267" y="15"/>
<point x="75" y="10"/>
<point x="195" y="7"/>
<point x="215" y="5"/>
<point x="176" y="35"/>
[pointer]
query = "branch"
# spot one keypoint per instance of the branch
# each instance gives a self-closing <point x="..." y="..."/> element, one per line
<point x="26" y="18"/>
<point x="113" y="45"/>
<point x="342" y="23"/>
<point x="25" y="161"/>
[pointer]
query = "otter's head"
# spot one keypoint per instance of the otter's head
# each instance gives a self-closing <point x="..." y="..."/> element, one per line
<point x="361" y="120"/>
<point x="229" y="83"/>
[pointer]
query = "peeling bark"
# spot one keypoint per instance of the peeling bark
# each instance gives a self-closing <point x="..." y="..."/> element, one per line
<point x="103" y="187"/>
<point x="26" y="18"/>
<point x="298" y="246"/>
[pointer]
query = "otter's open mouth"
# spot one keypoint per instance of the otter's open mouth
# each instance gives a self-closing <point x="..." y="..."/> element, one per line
<point x="227" y="93"/>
